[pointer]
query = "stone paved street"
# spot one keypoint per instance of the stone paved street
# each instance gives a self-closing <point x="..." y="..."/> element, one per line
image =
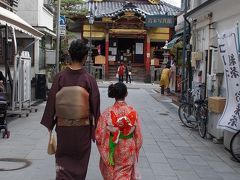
<point x="170" y="151"/>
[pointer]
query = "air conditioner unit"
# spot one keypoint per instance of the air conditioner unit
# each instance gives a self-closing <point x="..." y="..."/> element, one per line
<point x="50" y="56"/>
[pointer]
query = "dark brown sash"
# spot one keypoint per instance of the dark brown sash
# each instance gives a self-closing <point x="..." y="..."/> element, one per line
<point x="73" y="122"/>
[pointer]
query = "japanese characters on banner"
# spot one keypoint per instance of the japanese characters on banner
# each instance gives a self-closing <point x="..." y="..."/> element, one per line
<point x="227" y="45"/>
<point x="27" y="79"/>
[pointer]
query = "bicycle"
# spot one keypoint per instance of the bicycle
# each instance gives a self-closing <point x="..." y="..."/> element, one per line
<point x="194" y="113"/>
<point x="235" y="141"/>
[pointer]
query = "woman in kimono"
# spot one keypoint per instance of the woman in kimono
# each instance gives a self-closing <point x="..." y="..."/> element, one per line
<point x="73" y="106"/>
<point x="172" y="77"/>
<point x="118" y="137"/>
<point x="164" y="80"/>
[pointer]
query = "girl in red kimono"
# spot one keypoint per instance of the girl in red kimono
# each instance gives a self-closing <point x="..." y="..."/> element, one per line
<point x="119" y="137"/>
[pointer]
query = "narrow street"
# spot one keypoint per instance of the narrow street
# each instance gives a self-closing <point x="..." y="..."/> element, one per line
<point x="170" y="151"/>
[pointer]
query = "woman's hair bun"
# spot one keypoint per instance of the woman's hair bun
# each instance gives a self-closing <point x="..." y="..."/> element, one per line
<point x="78" y="50"/>
<point x="117" y="90"/>
<point x="111" y="91"/>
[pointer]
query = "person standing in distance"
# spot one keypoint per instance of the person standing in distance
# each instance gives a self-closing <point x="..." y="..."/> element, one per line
<point x="164" y="81"/>
<point x="121" y="70"/>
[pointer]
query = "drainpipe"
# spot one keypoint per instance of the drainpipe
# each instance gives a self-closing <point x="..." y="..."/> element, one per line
<point x="58" y="35"/>
<point x="184" y="50"/>
<point x="6" y="54"/>
<point x="208" y="58"/>
<point x="238" y="38"/>
<point x="189" y="50"/>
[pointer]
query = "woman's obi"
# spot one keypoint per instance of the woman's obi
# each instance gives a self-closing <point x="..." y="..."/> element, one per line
<point x="72" y="106"/>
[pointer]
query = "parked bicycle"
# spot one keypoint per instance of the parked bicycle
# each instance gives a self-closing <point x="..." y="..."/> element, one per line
<point x="235" y="141"/>
<point x="194" y="113"/>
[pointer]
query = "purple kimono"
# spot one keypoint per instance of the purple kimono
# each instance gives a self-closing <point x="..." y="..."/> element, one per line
<point x="73" y="142"/>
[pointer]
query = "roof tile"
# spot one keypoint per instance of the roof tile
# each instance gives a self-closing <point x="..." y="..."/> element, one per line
<point x="112" y="9"/>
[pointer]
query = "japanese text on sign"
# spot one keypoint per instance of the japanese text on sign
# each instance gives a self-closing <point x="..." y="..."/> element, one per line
<point x="230" y="118"/>
<point x="160" y="21"/>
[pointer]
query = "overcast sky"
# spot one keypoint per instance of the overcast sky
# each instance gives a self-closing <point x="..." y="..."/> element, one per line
<point x="174" y="2"/>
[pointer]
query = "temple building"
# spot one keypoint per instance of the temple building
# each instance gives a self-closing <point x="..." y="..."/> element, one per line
<point x="131" y="31"/>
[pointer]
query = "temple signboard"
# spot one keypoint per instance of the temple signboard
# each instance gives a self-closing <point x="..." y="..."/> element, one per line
<point x="160" y="21"/>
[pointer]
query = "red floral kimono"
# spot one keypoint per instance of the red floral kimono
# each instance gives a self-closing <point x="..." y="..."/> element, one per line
<point x="118" y="162"/>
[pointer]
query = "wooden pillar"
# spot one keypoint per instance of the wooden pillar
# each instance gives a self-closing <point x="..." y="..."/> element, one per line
<point x="148" y="55"/>
<point x="81" y="32"/>
<point x="171" y="33"/>
<point x="106" y="53"/>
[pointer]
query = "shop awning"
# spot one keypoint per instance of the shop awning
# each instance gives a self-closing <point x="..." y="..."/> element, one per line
<point x="45" y="31"/>
<point x="14" y="21"/>
<point x="173" y="41"/>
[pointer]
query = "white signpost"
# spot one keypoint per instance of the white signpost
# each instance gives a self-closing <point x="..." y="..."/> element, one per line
<point x="62" y="27"/>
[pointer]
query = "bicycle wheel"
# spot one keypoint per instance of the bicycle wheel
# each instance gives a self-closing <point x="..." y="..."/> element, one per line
<point x="185" y="112"/>
<point x="201" y="115"/>
<point x="235" y="146"/>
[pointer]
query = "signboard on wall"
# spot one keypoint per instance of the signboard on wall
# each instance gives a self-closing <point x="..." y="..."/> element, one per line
<point x="50" y="56"/>
<point x="139" y="48"/>
<point x="113" y="50"/>
<point x="227" y="46"/>
<point x="160" y="21"/>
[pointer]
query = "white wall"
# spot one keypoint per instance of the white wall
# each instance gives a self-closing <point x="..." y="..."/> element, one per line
<point x="225" y="15"/>
<point x="28" y="10"/>
<point x="45" y="17"/>
<point x="33" y="12"/>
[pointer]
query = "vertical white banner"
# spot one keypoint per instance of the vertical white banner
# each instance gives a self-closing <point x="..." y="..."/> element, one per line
<point x="227" y="45"/>
<point x="26" y="79"/>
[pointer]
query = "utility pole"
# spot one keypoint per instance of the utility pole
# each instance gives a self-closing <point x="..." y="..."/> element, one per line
<point x="91" y="21"/>
<point x="58" y="35"/>
<point x="90" y="52"/>
<point x="184" y="50"/>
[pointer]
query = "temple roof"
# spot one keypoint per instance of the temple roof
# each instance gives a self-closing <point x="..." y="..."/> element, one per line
<point x="151" y="1"/>
<point x="114" y="8"/>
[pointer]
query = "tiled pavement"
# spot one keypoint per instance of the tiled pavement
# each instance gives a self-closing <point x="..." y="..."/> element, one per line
<point x="170" y="151"/>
